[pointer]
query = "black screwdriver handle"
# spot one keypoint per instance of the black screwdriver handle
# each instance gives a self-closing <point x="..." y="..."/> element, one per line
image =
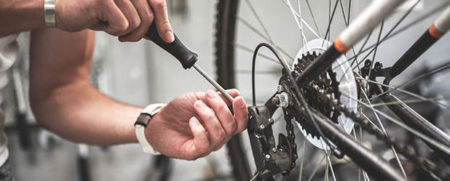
<point x="186" y="57"/>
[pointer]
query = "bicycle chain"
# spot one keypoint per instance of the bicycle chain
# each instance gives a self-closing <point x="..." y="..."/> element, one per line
<point x="424" y="163"/>
<point x="291" y="137"/>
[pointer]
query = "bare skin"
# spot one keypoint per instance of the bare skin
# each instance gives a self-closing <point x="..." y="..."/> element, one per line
<point x="127" y="19"/>
<point x="190" y="126"/>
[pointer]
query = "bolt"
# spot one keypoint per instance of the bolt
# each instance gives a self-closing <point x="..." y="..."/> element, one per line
<point x="274" y="150"/>
<point x="378" y="65"/>
<point x="367" y="63"/>
<point x="267" y="157"/>
<point x="276" y="100"/>
<point x="262" y="126"/>
<point x="283" y="99"/>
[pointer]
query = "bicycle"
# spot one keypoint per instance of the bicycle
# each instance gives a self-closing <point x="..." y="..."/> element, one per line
<point x="325" y="96"/>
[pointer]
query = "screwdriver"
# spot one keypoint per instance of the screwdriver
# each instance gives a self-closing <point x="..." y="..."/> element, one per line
<point x="186" y="57"/>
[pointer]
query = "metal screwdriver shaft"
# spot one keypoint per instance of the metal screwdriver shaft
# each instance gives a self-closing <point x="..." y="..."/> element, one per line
<point x="186" y="57"/>
<point x="213" y="82"/>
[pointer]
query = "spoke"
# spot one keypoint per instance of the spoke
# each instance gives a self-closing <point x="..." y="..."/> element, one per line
<point x="359" y="52"/>
<point x="438" y="145"/>
<point x="253" y="28"/>
<point x="385" y="133"/>
<point x="313" y="17"/>
<point x="301" y="163"/>
<point x="259" y="72"/>
<point x="304" y="22"/>
<point x="250" y="5"/>
<point x="391" y="34"/>
<point x="242" y="47"/>
<point x="447" y="98"/>
<point x="316" y="168"/>
<point x="421" y="98"/>
<point x="327" y="34"/>
<point x="375" y="51"/>
<point x="437" y="70"/>
<point x="270" y="39"/>
<point x="296" y="17"/>
<point x="355" y="59"/>
<point x="348" y="12"/>
<point x="260" y="34"/>
<point x="343" y="13"/>
<point x="331" y="167"/>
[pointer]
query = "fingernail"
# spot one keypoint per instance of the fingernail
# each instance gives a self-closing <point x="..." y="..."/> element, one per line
<point x="169" y="36"/>
<point x="211" y="94"/>
<point x="199" y="104"/>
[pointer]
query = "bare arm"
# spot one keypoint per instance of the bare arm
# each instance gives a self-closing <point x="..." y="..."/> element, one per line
<point x="190" y="126"/>
<point x="127" y="19"/>
<point x="62" y="98"/>
<point x="20" y="15"/>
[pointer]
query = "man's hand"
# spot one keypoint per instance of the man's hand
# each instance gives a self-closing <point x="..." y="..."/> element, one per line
<point x="127" y="19"/>
<point x="195" y="124"/>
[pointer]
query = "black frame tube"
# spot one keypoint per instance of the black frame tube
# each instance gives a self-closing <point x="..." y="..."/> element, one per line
<point x="415" y="51"/>
<point x="415" y="120"/>
<point x="373" y="164"/>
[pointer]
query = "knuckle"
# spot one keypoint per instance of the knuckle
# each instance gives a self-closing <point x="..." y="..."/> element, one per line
<point x="159" y="4"/>
<point x="135" y="23"/>
<point x="122" y="27"/>
<point x="209" y="116"/>
<point x="147" y="18"/>
<point x="224" y="109"/>
<point x="221" y="135"/>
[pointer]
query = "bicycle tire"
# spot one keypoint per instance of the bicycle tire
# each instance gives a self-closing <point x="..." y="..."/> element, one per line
<point x="225" y="77"/>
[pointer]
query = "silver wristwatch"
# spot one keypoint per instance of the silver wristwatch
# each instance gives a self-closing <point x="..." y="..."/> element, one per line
<point x="141" y="123"/>
<point x="49" y="13"/>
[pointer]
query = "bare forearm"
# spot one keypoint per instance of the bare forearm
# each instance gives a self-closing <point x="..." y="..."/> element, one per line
<point x="63" y="99"/>
<point x="20" y="15"/>
<point x="79" y="112"/>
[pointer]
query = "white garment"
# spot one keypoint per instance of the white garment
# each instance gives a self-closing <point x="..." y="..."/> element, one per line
<point x="9" y="50"/>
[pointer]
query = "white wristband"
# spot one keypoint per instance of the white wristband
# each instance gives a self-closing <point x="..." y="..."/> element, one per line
<point x="142" y="122"/>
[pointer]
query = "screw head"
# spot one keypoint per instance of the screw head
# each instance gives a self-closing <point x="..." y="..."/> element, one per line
<point x="262" y="126"/>
<point x="268" y="157"/>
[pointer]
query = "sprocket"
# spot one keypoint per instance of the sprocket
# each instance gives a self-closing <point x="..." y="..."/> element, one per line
<point x="338" y="82"/>
<point x="327" y="82"/>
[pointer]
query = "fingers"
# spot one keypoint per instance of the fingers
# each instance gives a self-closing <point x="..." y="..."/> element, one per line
<point x="233" y="93"/>
<point x="222" y="112"/>
<point x="200" y="141"/>
<point x="130" y="13"/>
<point x="117" y="23"/>
<point x="240" y="114"/>
<point x="159" y="7"/>
<point x="146" y="19"/>
<point x="212" y="124"/>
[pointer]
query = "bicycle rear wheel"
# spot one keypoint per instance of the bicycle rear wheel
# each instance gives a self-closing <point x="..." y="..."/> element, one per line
<point x="241" y="25"/>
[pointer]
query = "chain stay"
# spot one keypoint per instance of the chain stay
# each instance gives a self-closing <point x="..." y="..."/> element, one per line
<point x="370" y="128"/>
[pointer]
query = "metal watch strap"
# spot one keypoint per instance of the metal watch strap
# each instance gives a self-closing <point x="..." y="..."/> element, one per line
<point x="142" y="122"/>
<point x="49" y="13"/>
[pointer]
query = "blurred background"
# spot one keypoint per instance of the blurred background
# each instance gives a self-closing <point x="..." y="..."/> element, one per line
<point x="139" y="74"/>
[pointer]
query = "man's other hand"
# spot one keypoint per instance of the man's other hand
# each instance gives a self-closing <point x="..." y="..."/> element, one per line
<point x="195" y="124"/>
<point x="127" y="19"/>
